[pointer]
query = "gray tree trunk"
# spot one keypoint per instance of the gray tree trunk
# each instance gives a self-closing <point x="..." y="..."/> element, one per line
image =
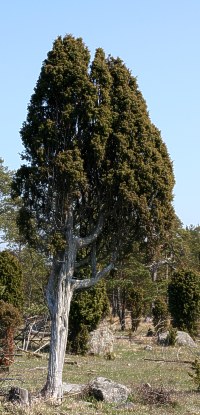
<point x="58" y="343"/>
<point x="61" y="286"/>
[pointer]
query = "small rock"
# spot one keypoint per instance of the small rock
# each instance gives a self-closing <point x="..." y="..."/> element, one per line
<point x="101" y="342"/>
<point x="19" y="395"/>
<point x="73" y="388"/>
<point x="148" y="347"/>
<point x="163" y="338"/>
<point x="106" y="390"/>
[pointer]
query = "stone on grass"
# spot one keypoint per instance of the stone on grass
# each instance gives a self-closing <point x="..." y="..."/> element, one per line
<point x="19" y="395"/>
<point x="106" y="390"/>
<point x="163" y="338"/>
<point x="148" y="347"/>
<point x="182" y="339"/>
<point x="101" y="341"/>
<point x="73" y="389"/>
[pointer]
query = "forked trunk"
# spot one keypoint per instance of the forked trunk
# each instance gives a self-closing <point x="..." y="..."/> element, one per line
<point x="59" y="334"/>
<point x="60" y="289"/>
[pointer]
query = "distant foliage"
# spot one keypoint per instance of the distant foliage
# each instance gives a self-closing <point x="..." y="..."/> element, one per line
<point x="87" y="309"/>
<point x="10" y="279"/>
<point x="172" y="334"/>
<point x="35" y="274"/>
<point x="160" y="314"/>
<point x="130" y="289"/>
<point x="135" y="306"/>
<point x="184" y="300"/>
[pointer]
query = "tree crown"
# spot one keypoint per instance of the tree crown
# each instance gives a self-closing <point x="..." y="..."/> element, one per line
<point x="90" y="146"/>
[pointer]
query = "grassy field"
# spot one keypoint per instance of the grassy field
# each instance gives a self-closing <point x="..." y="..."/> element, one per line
<point x="170" y="389"/>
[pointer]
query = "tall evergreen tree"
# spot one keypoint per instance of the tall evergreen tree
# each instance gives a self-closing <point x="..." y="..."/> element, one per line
<point x="97" y="176"/>
<point x="184" y="300"/>
<point x="11" y="279"/>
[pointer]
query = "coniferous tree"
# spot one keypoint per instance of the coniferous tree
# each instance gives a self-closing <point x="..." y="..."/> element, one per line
<point x="88" y="308"/>
<point x="10" y="319"/>
<point x="11" y="302"/>
<point x="184" y="300"/>
<point x="11" y="279"/>
<point x="97" y="176"/>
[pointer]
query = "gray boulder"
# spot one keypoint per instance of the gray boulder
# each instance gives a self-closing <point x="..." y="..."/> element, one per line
<point x="182" y="339"/>
<point x="163" y="338"/>
<point x="106" y="390"/>
<point x="19" y="395"/>
<point x="101" y="341"/>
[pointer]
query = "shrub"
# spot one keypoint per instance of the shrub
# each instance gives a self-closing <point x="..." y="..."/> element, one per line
<point x="10" y="279"/>
<point x="171" y="338"/>
<point x="9" y="321"/>
<point x="135" y="306"/>
<point x="184" y="300"/>
<point x="195" y="375"/>
<point x="160" y="314"/>
<point x="87" y="309"/>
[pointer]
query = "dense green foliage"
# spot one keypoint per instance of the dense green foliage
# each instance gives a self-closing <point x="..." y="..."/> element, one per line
<point x="89" y="142"/>
<point x="87" y="309"/>
<point x="184" y="300"/>
<point x="171" y="336"/>
<point x="11" y="279"/>
<point x="135" y="302"/>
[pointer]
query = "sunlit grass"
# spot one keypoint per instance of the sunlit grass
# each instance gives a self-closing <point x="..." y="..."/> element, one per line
<point x="134" y="365"/>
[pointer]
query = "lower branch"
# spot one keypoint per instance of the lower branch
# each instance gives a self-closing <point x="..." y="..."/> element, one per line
<point x="90" y="282"/>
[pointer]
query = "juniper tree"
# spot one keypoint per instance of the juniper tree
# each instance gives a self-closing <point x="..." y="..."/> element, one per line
<point x="96" y="177"/>
<point x="184" y="300"/>
<point x="11" y="302"/>
<point x="11" y="279"/>
<point x="88" y="307"/>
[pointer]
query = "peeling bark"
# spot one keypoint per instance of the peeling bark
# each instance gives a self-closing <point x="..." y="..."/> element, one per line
<point x="60" y="290"/>
<point x="59" y="334"/>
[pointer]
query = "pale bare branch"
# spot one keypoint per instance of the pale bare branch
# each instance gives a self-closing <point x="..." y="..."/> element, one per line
<point x="89" y="282"/>
<point x="87" y="240"/>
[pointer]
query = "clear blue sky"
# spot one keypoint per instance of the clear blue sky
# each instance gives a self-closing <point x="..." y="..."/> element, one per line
<point x="159" y="41"/>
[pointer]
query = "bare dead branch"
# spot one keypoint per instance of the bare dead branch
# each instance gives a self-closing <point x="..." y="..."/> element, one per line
<point x="83" y="242"/>
<point x="89" y="282"/>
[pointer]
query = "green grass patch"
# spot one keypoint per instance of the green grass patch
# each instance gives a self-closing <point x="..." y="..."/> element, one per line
<point x="158" y="377"/>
